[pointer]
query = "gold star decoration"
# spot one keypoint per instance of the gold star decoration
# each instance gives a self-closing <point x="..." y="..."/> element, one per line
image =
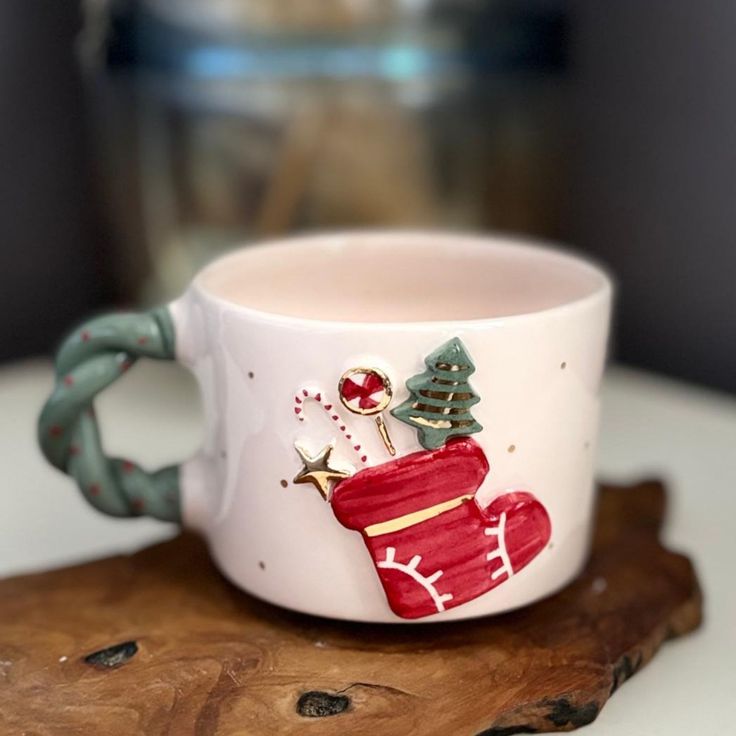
<point x="318" y="469"/>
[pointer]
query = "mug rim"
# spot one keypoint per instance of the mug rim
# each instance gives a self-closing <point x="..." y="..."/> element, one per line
<point x="602" y="291"/>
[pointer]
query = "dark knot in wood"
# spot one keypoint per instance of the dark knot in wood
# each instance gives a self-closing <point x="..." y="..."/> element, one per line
<point x="114" y="656"/>
<point x="564" y="713"/>
<point x="318" y="704"/>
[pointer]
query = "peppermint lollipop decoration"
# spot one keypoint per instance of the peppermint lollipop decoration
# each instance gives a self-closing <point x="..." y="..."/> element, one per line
<point x="367" y="391"/>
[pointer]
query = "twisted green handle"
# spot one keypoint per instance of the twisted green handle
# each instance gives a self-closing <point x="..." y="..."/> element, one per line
<point x="89" y="360"/>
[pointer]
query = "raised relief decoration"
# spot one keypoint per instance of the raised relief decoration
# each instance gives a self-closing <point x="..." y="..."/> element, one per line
<point x="433" y="545"/>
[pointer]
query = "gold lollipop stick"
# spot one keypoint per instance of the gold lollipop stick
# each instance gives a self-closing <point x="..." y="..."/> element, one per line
<point x="384" y="435"/>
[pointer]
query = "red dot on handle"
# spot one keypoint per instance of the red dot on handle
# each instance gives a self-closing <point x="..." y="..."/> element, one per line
<point x="68" y="380"/>
<point x="142" y="340"/>
<point x="74" y="450"/>
<point x="137" y="504"/>
<point x="94" y="489"/>
<point x="85" y="336"/>
<point x="55" y="430"/>
<point x="128" y="466"/>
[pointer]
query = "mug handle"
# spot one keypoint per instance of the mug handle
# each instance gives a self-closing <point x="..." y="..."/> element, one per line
<point x="90" y="359"/>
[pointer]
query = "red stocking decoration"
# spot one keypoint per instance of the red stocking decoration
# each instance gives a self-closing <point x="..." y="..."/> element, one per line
<point x="433" y="546"/>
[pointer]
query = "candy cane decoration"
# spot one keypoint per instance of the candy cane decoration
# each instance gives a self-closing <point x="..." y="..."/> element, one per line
<point x="307" y="394"/>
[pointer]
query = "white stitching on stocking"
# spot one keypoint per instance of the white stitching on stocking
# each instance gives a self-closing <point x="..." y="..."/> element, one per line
<point x="410" y="569"/>
<point x="500" y="552"/>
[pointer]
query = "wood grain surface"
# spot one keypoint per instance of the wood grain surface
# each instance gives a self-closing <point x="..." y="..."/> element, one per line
<point x="159" y="643"/>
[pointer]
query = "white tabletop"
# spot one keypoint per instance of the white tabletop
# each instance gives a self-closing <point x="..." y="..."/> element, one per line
<point x="651" y="426"/>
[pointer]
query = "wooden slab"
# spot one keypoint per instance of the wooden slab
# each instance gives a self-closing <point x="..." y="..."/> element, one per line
<point x="159" y="643"/>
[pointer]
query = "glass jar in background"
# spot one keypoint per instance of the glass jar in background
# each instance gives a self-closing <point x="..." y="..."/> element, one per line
<point x="236" y="120"/>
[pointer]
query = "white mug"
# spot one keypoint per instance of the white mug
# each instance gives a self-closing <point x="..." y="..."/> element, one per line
<point x="401" y="426"/>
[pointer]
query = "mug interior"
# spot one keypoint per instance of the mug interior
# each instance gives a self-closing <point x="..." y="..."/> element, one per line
<point x="401" y="277"/>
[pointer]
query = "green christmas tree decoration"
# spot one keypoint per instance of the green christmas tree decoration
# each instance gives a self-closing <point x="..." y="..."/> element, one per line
<point x="441" y="397"/>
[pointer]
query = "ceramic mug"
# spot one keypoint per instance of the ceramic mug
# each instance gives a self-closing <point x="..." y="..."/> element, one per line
<point x="400" y="426"/>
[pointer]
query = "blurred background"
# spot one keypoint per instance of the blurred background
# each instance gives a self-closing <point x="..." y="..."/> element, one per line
<point x="141" y="138"/>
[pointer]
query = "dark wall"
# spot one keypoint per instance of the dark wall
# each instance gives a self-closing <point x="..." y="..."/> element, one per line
<point x="655" y="192"/>
<point x="52" y="261"/>
<point x="654" y="117"/>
